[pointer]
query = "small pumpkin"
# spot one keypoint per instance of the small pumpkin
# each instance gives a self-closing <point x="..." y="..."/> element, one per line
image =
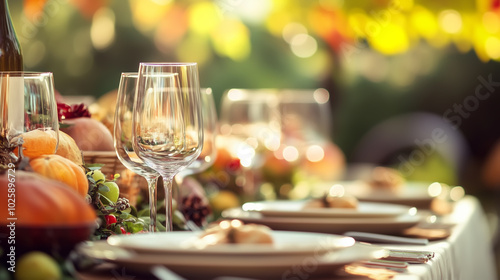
<point x="41" y="201"/>
<point x="68" y="149"/>
<point x="61" y="169"/>
<point x="38" y="142"/>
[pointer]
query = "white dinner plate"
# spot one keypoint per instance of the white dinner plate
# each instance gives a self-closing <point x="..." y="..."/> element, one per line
<point x="186" y="243"/>
<point x="208" y="267"/>
<point x="295" y="208"/>
<point x="386" y="225"/>
<point x="411" y="193"/>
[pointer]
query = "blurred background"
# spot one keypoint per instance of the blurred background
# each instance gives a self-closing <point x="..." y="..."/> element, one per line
<point x="413" y="84"/>
<point x="381" y="61"/>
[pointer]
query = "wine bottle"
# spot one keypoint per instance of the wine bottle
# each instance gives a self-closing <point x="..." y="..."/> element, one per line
<point x="11" y="58"/>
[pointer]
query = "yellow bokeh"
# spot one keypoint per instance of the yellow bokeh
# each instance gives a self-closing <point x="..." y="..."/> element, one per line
<point x="282" y="13"/>
<point x="357" y="20"/>
<point x="194" y="48"/>
<point x="492" y="47"/>
<point x="204" y="17"/>
<point x="462" y="39"/>
<point x="424" y="22"/>
<point x="389" y="37"/>
<point x="232" y="39"/>
<point x="147" y="14"/>
<point x="479" y="42"/>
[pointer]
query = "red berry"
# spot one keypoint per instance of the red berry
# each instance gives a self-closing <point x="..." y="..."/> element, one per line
<point x="123" y="230"/>
<point x="110" y="219"/>
<point x="234" y="165"/>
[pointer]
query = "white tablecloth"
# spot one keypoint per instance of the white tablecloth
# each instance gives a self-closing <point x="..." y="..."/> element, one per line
<point x="466" y="255"/>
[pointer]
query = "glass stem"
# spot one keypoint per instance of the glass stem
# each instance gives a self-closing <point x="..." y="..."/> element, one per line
<point x="152" y="203"/>
<point x="167" y="184"/>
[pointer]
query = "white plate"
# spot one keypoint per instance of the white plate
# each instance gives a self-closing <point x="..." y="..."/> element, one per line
<point x="208" y="267"/>
<point x="184" y="243"/>
<point x="411" y="193"/>
<point x="389" y="225"/>
<point x="291" y="208"/>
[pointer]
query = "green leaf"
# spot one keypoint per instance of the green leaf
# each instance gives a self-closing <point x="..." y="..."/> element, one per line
<point x="161" y="218"/>
<point x="106" y="201"/>
<point x="143" y="213"/>
<point x="160" y="226"/>
<point x="136" y="227"/>
<point x="132" y="210"/>
<point x="124" y="216"/>
<point x="116" y="229"/>
<point x="64" y="125"/>
<point x="178" y="218"/>
<point x="103" y="188"/>
<point x="94" y="166"/>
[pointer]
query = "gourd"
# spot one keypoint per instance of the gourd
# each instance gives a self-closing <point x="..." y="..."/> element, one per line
<point x="40" y="201"/>
<point x="68" y="148"/>
<point x="61" y="169"/>
<point x="47" y="215"/>
<point x="89" y="134"/>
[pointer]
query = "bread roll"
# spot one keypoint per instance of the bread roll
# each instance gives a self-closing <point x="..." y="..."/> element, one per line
<point x="235" y="232"/>
<point x="345" y="201"/>
<point x="384" y="178"/>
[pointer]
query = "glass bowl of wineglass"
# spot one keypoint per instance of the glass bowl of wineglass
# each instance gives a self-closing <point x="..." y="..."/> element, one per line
<point x="28" y="110"/>
<point x="249" y="129"/>
<point x="209" y="151"/>
<point x="306" y="121"/>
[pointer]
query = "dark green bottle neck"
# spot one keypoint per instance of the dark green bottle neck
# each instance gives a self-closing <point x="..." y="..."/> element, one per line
<point x="4" y="8"/>
<point x="5" y="20"/>
<point x="11" y="56"/>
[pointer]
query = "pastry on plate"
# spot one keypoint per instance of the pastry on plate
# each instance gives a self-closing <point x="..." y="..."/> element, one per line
<point x="385" y="178"/>
<point x="328" y="201"/>
<point x="235" y="232"/>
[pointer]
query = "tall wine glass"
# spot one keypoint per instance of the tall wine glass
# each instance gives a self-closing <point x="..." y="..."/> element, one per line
<point x="123" y="140"/>
<point x="28" y="105"/>
<point x="209" y="151"/>
<point x="306" y="121"/>
<point x="167" y="122"/>
<point x="250" y="127"/>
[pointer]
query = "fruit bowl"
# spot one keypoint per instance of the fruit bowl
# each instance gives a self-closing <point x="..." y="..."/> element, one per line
<point x="54" y="240"/>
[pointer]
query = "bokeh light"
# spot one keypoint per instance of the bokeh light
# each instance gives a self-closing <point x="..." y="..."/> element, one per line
<point x="450" y="21"/>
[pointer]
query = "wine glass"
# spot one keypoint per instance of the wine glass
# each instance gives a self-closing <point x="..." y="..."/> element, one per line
<point x="250" y="127"/>
<point x="306" y="145"/>
<point x="28" y="105"/>
<point x="305" y="120"/>
<point x="167" y="121"/>
<point x="209" y="151"/>
<point x="123" y="140"/>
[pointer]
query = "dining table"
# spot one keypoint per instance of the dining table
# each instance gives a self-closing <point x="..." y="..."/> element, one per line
<point x="465" y="253"/>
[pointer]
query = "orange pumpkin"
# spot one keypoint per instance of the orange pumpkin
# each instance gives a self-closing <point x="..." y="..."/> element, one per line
<point x="37" y="143"/>
<point x="50" y="216"/>
<point x="63" y="170"/>
<point x="67" y="148"/>
<point x="40" y="201"/>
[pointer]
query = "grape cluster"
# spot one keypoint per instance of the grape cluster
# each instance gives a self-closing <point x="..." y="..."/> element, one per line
<point x="122" y="204"/>
<point x="195" y="209"/>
